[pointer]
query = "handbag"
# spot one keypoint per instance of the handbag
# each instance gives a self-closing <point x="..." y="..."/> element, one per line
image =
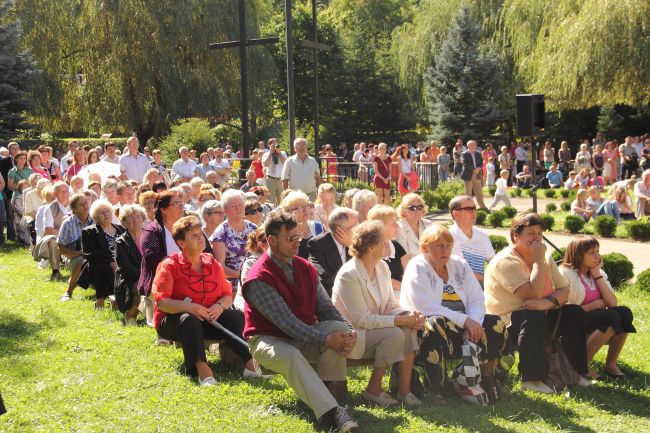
<point x="560" y="371"/>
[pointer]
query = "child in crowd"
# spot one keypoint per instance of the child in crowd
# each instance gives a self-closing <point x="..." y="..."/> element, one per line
<point x="595" y="201"/>
<point x="76" y="183"/>
<point x="444" y="160"/>
<point x="501" y="194"/>
<point x="571" y="181"/>
<point x="490" y="167"/>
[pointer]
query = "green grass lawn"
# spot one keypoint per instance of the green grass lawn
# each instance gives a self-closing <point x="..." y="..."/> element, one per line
<point x="69" y="368"/>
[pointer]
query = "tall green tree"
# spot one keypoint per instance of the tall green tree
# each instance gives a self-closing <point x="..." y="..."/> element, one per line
<point x="464" y="87"/>
<point x="16" y="72"/>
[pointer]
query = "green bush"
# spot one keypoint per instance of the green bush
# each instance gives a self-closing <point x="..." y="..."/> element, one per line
<point x="192" y="132"/>
<point x="549" y="193"/>
<point x="510" y="211"/>
<point x="481" y="216"/>
<point x="515" y="192"/>
<point x="558" y="256"/>
<point x="496" y="218"/>
<point x="492" y="190"/>
<point x="566" y="205"/>
<point x="573" y="223"/>
<point x="639" y="230"/>
<point x="642" y="280"/>
<point x="564" y="193"/>
<point x="547" y="222"/>
<point x="605" y="225"/>
<point x="619" y="268"/>
<point x="441" y="196"/>
<point x="498" y="242"/>
<point x="551" y="207"/>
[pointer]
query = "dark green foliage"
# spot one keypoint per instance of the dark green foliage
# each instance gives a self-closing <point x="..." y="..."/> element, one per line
<point x="481" y="216"/>
<point x="547" y="222"/>
<point x="16" y="74"/>
<point x="441" y="196"/>
<point x="464" y="88"/>
<point x="573" y="223"/>
<point x="565" y="206"/>
<point x="558" y="256"/>
<point x="498" y="242"/>
<point x="565" y="193"/>
<point x="496" y="218"/>
<point x="643" y="281"/>
<point x="551" y="207"/>
<point x="194" y="133"/>
<point x="515" y="192"/>
<point x="510" y="211"/>
<point x="605" y="225"/>
<point x="492" y="190"/>
<point x="549" y="193"/>
<point x="619" y="268"/>
<point x="639" y="229"/>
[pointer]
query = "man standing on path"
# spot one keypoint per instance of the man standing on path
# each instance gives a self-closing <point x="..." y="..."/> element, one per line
<point x="291" y="324"/>
<point x="273" y="160"/>
<point x="133" y="164"/>
<point x="472" y="172"/>
<point x="301" y="171"/>
<point x="470" y="242"/>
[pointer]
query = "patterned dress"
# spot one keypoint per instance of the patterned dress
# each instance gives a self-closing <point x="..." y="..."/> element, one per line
<point x="235" y="245"/>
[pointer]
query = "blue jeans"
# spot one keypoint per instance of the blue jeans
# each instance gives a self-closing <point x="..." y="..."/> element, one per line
<point x="609" y="207"/>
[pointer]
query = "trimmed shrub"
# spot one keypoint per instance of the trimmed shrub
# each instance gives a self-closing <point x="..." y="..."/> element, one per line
<point x="515" y="192"/>
<point x="566" y="206"/>
<point x="500" y="242"/>
<point x="574" y="223"/>
<point x="481" y="215"/>
<point x="549" y="193"/>
<point x="510" y="211"/>
<point x="642" y="280"/>
<point x="495" y="219"/>
<point x="619" y="268"/>
<point x="551" y="207"/>
<point x="565" y="193"/>
<point x="192" y="132"/>
<point x="441" y="196"/>
<point x="605" y="225"/>
<point x="639" y="230"/>
<point x="492" y="190"/>
<point x="547" y="222"/>
<point x="558" y="256"/>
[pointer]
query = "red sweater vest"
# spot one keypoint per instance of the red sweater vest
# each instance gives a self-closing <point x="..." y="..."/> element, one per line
<point x="300" y="297"/>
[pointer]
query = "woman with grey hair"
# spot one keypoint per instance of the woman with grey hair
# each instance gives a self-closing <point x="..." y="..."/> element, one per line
<point x="128" y="259"/>
<point x="363" y="201"/>
<point x="98" y="247"/>
<point x="212" y="216"/>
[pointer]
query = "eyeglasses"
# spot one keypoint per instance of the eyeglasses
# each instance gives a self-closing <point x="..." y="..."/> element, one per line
<point x="290" y="238"/>
<point x="299" y="208"/>
<point x="176" y="203"/>
<point x="149" y="203"/>
<point x="216" y="212"/>
<point x="254" y="211"/>
<point x="415" y="207"/>
<point x="468" y="208"/>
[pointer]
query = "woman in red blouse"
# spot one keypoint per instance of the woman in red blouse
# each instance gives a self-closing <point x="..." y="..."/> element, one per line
<point x="197" y="275"/>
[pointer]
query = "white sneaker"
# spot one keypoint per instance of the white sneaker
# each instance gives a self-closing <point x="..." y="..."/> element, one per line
<point x="43" y="264"/>
<point x="208" y="381"/>
<point x="66" y="297"/>
<point x="256" y="374"/>
<point x="583" y="381"/>
<point x="409" y="400"/>
<point x="537" y="386"/>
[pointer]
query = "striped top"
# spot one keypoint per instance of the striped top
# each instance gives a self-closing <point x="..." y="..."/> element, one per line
<point x="476" y="250"/>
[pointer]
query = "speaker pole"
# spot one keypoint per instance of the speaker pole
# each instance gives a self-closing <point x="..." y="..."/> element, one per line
<point x="533" y="170"/>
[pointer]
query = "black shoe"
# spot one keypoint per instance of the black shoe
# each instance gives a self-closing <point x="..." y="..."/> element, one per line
<point x="338" y="419"/>
<point x="56" y="275"/>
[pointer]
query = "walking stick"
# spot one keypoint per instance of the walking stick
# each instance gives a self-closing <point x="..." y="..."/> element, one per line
<point x="221" y="328"/>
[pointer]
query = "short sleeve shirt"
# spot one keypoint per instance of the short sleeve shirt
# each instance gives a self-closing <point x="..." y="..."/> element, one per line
<point x="301" y="174"/>
<point x="475" y="250"/>
<point x="134" y="167"/>
<point x="235" y="242"/>
<point x="505" y="274"/>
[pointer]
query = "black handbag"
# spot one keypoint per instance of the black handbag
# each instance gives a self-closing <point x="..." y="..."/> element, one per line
<point x="560" y="371"/>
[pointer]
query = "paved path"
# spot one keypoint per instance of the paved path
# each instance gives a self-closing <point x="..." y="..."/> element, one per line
<point x="637" y="252"/>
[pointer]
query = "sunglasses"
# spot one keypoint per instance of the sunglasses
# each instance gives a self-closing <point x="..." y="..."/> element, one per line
<point x="468" y="208"/>
<point x="415" y="207"/>
<point x="290" y="238"/>
<point x="254" y="211"/>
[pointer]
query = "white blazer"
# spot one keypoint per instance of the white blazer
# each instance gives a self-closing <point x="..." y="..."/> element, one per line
<point x="362" y="305"/>
<point x="407" y="237"/>
<point x="576" y="289"/>
<point x="422" y="290"/>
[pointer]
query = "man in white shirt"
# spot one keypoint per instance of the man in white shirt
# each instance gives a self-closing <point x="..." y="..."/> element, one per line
<point x="110" y="155"/>
<point x="273" y="159"/>
<point x="72" y="148"/>
<point x="301" y="171"/>
<point x="133" y="164"/>
<point x="221" y="167"/>
<point x="521" y="155"/>
<point x="471" y="243"/>
<point x="184" y="166"/>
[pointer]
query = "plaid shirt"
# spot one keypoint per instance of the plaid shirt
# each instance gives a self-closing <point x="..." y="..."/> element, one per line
<point x="270" y="304"/>
<point x="70" y="231"/>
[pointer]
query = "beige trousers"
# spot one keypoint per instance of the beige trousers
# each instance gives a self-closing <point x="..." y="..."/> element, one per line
<point x="389" y="345"/>
<point x="475" y="185"/>
<point x="275" y="190"/>
<point x="48" y="249"/>
<point x="296" y="362"/>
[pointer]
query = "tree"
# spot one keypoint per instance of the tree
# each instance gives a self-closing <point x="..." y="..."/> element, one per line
<point x="464" y="87"/>
<point x="16" y="72"/>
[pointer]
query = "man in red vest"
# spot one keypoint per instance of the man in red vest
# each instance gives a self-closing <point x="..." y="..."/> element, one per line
<point x="292" y="326"/>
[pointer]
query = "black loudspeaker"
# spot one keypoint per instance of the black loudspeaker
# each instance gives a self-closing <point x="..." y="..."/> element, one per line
<point x="530" y="115"/>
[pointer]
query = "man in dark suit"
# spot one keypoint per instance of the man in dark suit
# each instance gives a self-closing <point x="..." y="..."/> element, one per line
<point x="472" y="173"/>
<point x="7" y="164"/>
<point x="329" y="250"/>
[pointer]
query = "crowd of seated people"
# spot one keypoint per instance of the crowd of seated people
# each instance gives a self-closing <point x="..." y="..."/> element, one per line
<point x="312" y="285"/>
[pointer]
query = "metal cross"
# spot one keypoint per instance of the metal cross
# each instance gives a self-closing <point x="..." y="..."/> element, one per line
<point x="242" y="43"/>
